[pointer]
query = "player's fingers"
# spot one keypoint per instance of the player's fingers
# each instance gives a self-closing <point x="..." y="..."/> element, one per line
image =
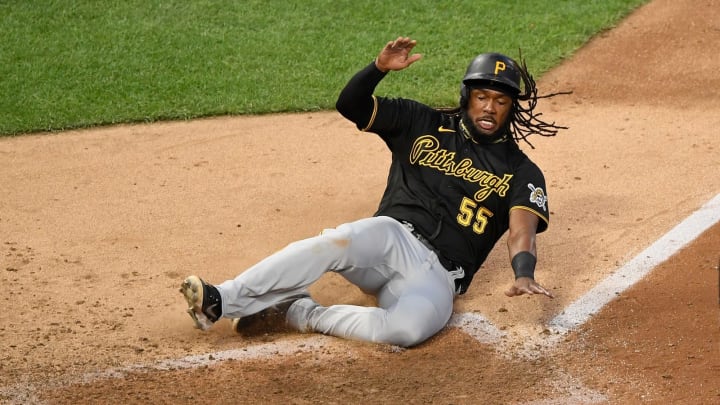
<point x="400" y="43"/>
<point x="546" y="293"/>
<point x="541" y="290"/>
<point x="414" y="58"/>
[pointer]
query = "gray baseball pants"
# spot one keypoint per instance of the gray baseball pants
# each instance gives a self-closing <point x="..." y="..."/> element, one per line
<point x="381" y="257"/>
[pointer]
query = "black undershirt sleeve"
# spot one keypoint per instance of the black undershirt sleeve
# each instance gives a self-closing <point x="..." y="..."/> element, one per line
<point x="355" y="101"/>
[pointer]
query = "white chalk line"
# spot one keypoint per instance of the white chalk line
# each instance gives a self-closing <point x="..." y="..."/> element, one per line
<point x="580" y="311"/>
<point x="471" y="323"/>
<point x="589" y="304"/>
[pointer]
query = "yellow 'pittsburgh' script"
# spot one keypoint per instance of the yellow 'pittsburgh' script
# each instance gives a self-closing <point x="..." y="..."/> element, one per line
<point x="426" y="152"/>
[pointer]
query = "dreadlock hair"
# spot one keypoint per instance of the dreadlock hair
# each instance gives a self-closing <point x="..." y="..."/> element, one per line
<point x="523" y="120"/>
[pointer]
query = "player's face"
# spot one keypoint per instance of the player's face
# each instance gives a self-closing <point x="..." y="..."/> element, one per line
<point x="488" y="110"/>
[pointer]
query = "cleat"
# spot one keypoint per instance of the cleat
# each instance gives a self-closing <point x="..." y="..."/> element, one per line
<point x="270" y="319"/>
<point x="204" y="305"/>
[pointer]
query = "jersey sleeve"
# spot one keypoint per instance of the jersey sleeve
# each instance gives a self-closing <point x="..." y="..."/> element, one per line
<point x="528" y="193"/>
<point x="356" y="101"/>
<point x="394" y="118"/>
<point x="390" y="118"/>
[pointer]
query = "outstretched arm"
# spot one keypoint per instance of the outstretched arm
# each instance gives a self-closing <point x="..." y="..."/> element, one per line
<point x="523" y="254"/>
<point x="355" y="101"/>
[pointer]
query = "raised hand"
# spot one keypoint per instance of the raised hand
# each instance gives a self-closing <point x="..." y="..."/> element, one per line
<point x="396" y="55"/>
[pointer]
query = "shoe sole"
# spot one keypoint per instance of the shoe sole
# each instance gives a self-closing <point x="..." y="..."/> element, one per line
<point x="192" y="290"/>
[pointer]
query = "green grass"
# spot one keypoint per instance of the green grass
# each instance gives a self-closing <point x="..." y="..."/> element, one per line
<point x="71" y="64"/>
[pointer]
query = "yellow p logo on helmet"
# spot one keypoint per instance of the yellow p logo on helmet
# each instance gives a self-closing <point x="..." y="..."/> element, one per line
<point x="494" y="69"/>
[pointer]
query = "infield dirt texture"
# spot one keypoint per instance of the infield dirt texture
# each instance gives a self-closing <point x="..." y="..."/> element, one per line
<point x="99" y="227"/>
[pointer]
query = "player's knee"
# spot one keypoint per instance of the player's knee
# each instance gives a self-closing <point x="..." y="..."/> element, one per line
<point x="412" y="332"/>
<point x="406" y="338"/>
<point x="415" y="320"/>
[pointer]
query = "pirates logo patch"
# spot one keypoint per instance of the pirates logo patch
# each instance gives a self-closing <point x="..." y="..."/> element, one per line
<point x="537" y="196"/>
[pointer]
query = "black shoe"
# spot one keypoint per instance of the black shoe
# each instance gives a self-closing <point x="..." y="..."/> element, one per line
<point x="270" y="319"/>
<point x="204" y="302"/>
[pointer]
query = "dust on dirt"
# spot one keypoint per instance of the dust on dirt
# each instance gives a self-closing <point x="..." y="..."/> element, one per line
<point x="99" y="227"/>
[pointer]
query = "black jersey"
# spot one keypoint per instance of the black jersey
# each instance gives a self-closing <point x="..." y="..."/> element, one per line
<point x="456" y="192"/>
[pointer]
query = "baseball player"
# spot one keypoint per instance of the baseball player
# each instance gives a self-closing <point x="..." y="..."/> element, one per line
<point x="458" y="181"/>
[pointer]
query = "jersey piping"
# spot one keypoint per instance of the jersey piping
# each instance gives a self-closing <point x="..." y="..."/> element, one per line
<point x="372" y="116"/>
<point x="539" y="215"/>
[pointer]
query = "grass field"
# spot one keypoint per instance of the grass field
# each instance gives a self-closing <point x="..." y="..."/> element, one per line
<point x="72" y="64"/>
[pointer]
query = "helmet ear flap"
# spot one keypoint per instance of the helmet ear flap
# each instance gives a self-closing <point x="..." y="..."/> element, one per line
<point x="464" y="95"/>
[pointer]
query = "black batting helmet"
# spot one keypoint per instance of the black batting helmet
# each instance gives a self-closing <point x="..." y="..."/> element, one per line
<point x="494" y="70"/>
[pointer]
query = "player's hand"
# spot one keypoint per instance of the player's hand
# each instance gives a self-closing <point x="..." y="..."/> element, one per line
<point x="526" y="285"/>
<point x="396" y="55"/>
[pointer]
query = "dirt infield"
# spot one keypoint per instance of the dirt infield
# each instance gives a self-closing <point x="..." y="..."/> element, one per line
<point x="99" y="227"/>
